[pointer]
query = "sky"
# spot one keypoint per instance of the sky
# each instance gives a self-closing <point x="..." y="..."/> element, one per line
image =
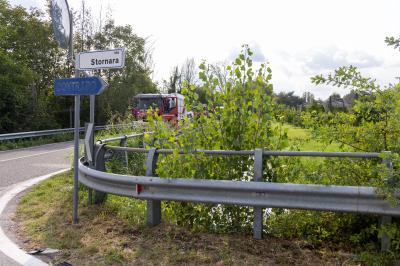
<point x="299" y="39"/>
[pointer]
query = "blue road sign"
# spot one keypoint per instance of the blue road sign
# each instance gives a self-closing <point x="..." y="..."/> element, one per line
<point x="79" y="86"/>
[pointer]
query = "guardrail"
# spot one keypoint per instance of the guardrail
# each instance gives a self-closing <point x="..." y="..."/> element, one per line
<point x="32" y="134"/>
<point x="257" y="194"/>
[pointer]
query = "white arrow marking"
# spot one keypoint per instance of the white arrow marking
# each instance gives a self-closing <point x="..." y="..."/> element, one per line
<point x="87" y="141"/>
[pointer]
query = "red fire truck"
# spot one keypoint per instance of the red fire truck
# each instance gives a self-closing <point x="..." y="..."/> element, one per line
<point x="169" y="106"/>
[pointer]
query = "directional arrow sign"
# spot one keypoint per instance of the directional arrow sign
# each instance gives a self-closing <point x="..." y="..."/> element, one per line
<point x="79" y="86"/>
<point x="88" y="137"/>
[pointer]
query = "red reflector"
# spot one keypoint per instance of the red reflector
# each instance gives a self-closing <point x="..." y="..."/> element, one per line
<point x="138" y="188"/>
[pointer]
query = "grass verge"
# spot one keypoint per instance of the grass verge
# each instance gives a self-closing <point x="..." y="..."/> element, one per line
<point x="303" y="139"/>
<point x="31" y="142"/>
<point x="115" y="234"/>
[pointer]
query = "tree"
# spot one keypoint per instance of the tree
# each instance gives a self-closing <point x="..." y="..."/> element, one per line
<point x="186" y="74"/>
<point x="372" y="124"/>
<point x="189" y="73"/>
<point x="124" y="83"/>
<point x="27" y="39"/>
<point x="14" y="101"/>
<point x="219" y="70"/>
<point x="289" y="99"/>
<point x="308" y="97"/>
<point x="239" y="118"/>
<point x="28" y="46"/>
<point x="174" y="82"/>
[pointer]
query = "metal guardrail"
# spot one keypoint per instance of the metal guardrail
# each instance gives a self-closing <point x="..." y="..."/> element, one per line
<point x="261" y="194"/>
<point x="32" y="134"/>
<point x="247" y="152"/>
<point x="123" y="137"/>
<point x="258" y="194"/>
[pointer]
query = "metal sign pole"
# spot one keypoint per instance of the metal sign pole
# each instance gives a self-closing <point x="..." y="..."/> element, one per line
<point x="76" y="132"/>
<point x="62" y="21"/>
<point x="92" y="108"/>
<point x="76" y="155"/>
<point x="92" y="102"/>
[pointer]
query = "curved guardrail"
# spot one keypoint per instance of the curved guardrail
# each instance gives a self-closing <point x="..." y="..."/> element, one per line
<point x="262" y="194"/>
<point x="258" y="194"/>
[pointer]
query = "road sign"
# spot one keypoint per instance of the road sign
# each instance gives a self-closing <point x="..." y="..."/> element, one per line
<point x="101" y="59"/>
<point x="61" y="21"/>
<point x="79" y="86"/>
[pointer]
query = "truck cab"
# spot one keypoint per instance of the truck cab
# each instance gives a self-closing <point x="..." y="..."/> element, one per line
<point x="169" y="106"/>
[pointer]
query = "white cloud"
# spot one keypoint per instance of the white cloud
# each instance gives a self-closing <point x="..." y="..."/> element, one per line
<point x="332" y="57"/>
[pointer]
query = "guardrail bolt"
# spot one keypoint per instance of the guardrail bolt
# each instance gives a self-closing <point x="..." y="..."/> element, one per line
<point x="153" y="206"/>
<point x="258" y="211"/>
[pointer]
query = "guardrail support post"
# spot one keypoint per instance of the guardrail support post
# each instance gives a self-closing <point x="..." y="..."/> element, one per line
<point x="91" y="163"/>
<point x="153" y="206"/>
<point x="124" y="154"/>
<point x="258" y="211"/>
<point x="100" y="165"/>
<point x="387" y="220"/>
<point x="141" y="141"/>
<point x="385" y="240"/>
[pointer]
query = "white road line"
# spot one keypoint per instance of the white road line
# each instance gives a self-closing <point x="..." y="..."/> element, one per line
<point x="8" y="247"/>
<point x="33" y="155"/>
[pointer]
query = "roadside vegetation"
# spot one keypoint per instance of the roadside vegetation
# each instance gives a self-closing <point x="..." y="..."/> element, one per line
<point x="234" y="108"/>
<point x="243" y="113"/>
<point x="115" y="233"/>
<point x="32" y="142"/>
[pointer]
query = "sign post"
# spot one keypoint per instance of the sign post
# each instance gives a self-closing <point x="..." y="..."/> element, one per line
<point x="77" y="122"/>
<point x="63" y="30"/>
<point x="62" y="26"/>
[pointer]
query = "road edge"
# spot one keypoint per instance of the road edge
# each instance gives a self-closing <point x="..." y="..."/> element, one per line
<point x="8" y="247"/>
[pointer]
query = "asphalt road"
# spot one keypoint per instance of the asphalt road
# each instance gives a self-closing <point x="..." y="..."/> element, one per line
<point x="23" y="164"/>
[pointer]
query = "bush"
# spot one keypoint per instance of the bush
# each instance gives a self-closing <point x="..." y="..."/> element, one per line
<point x="240" y="117"/>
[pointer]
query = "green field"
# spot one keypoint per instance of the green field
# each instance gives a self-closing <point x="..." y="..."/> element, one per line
<point x="304" y="140"/>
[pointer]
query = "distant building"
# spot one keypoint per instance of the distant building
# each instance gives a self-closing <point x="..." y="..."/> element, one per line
<point x="334" y="102"/>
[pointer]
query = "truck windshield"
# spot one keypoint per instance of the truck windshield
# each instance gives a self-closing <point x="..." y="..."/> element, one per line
<point x="146" y="103"/>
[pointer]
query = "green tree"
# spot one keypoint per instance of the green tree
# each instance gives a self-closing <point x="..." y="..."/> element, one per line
<point x="14" y="79"/>
<point x="372" y="125"/>
<point x="124" y="83"/>
<point x="289" y="99"/>
<point x="26" y="38"/>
